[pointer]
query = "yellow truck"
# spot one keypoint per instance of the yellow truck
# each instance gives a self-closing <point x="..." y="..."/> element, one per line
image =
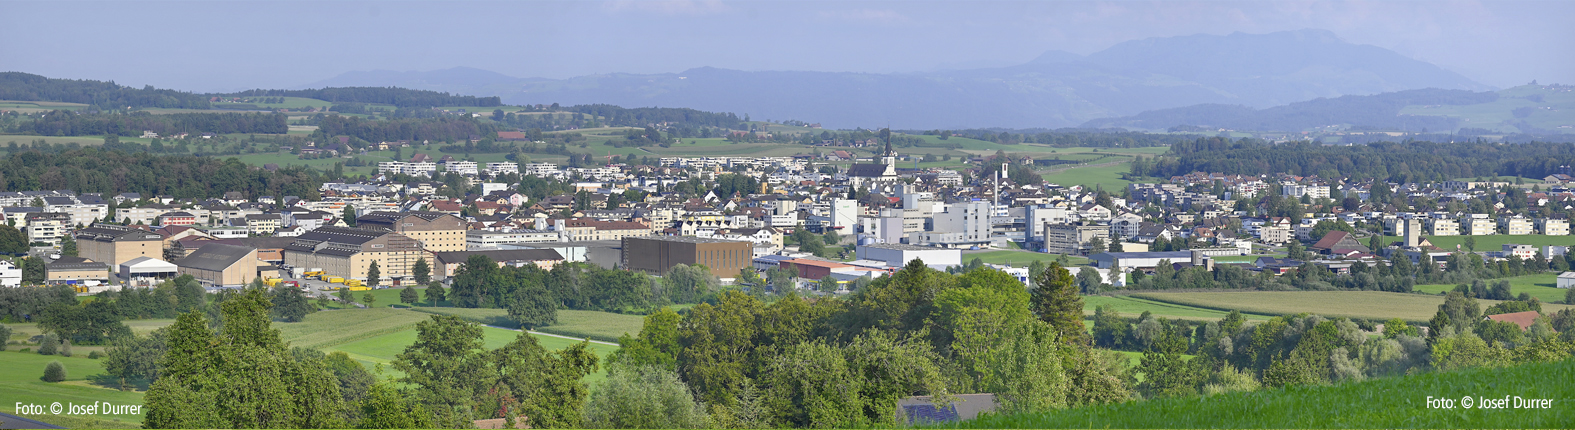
<point x="352" y="283"/>
<point x="334" y="280"/>
<point x="272" y="282"/>
<point x="312" y="275"/>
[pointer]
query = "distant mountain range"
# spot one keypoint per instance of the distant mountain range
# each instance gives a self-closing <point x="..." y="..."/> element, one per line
<point x="1058" y="89"/>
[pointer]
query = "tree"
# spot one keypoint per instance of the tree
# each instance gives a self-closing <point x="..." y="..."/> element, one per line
<point x="368" y="298"/>
<point x="688" y="283"/>
<point x="349" y="215"/>
<point x="1056" y="302"/>
<point x="11" y="240"/>
<point x="447" y="363"/>
<point x="5" y="334"/>
<point x="827" y="284"/>
<point x="135" y="359"/>
<point x="49" y="345"/>
<point x="532" y="305"/>
<point x="386" y="407"/>
<point x="435" y="293"/>
<point x="374" y="276"/>
<point x="643" y="397"/>
<point x="289" y="305"/>
<point x="422" y="271"/>
<point x="68" y="245"/>
<point x="1471" y="243"/>
<point x="408" y="295"/>
<point x="345" y="295"/>
<point x="1097" y="245"/>
<point x="54" y="372"/>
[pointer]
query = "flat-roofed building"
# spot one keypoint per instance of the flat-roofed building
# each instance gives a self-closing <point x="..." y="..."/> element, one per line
<point x="74" y="270"/>
<point x="477" y="240"/>
<point x="898" y="254"/>
<point x="112" y="244"/>
<point x="1553" y="227"/>
<point x="657" y="254"/>
<point x="1074" y="239"/>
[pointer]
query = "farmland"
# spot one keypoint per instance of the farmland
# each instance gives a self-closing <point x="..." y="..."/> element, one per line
<point x="602" y="326"/>
<point x="1379" y="403"/>
<point x="1132" y="307"/>
<point x="1371" y="305"/>
<point x="1108" y="177"/>
<point x="1543" y="286"/>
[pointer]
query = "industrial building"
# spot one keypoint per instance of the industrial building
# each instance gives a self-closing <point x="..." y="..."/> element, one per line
<point x="349" y="252"/>
<point x="113" y="244"/>
<point x="437" y="231"/>
<point x="657" y="254"/>
<point x="898" y="255"/>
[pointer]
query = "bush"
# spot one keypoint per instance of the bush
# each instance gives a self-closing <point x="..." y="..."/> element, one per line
<point x="54" y="372"/>
<point x="26" y="350"/>
<point x="95" y="355"/>
<point x="49" y="345"/>
<point x="65" y="347"/>
<point x="5" y="336"/>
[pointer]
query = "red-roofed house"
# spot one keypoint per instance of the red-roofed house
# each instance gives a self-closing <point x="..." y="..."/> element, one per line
<point x="812" y="269"/>
<point x="1338" y="242"/>
<point x="1522" y="319"/>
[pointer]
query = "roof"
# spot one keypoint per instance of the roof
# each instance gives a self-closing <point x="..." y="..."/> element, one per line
<point x="867" y="170"/>
<point x="685" y="239"/>
<point x="1338" y="240"/>
<point x="108" y="233"/>
<point x="1135" y="255"/>
<point x="817" y="263"/>
<point x="149" y="264"/>
<point x="215" y="257"/>
<point x="907" y="247"/>
<point x="1522" y="319"/>
<point x="348" y="235"/>
<point x="501" y="255"/>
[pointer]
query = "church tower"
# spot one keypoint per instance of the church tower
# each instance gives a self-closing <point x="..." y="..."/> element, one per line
<point x="889" y="157"/>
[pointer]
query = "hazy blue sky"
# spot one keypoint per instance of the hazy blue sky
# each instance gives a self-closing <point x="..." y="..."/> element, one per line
<point x="228" y="45"/>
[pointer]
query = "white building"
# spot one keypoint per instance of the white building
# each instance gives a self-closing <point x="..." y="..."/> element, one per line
<point x="420" y="169"/>
<point x="844" y="214"/>
<point x="541" y="170"/>
<point x="478" y="240"/>
<point x="10" y="275"/>
<point x="971" y="219"/>
<point x="898" y="255"/>
<point x="1566" y="280"/>
<point x="501" y="168"/>
<point x="467" y="168"/>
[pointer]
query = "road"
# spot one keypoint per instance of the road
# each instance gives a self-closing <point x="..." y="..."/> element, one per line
<point x="8" y="421"/>
<point x="555" y="335"/>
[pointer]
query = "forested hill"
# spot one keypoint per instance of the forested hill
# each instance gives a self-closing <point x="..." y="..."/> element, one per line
<point x="399" y="97"/>
<point x="30" y="87"/>
<point x="1396" y="162"/>
<point x="1374" y="112"/>
<point x="95" y="170"/>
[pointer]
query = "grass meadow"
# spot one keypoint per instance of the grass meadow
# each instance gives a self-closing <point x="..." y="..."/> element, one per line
<point x="1018" y="258"/>
<point x="1543" y="286"/>
<point x="20" y="382"/>
<point x="1379" y="403"/>
<point x="1132" y="307"/>
<point x="1493" y="242"/>
<point x="1370" y="305"/>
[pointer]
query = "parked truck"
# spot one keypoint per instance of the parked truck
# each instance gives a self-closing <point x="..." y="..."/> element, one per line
<point x="334" y="280"/>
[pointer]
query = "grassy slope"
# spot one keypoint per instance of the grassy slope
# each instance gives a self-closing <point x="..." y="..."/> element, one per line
<point x="603" y="326"/>
<point x="1494" y="115"/>
<point x="1018" y="258"/>
<point x="19" y="382"/>
<point x="1381" y="403"/>
<point x="1542" y="286"/>
<point x="1132" y="307"/>
<point x="1372" y="305"/>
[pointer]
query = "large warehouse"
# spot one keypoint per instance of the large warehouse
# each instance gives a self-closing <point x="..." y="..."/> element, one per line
<point x="657" y="254"/>
<point x="899" y="254"/>
<point x="349" y="252"/>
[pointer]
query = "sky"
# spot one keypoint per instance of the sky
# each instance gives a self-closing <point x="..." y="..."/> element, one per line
<point x="233" y="45"/>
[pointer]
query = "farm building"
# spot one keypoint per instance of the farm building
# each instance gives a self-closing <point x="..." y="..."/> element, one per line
<point x="1566" y="280"/>
<point x="146" y="267"/>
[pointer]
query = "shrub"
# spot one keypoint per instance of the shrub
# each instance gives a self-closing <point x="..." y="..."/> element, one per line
<point x="65" y="347"/>
<point x="54" y="372"/>
<point x="95" y="355"/>
<point x="49" y="345"/>
<point x="5" y="336"/>
<point x="26" y="350"/>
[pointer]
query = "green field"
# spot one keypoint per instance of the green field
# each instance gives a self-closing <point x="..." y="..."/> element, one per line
<point x="328" y="328"/>
<point x="1554" y="111"/>
<point x="1543" y="286"/>
<point x="1381" y="403"/>
<point x="35" y="107"/>
<point x="1370" y="305"/>
<point x="20" y="381"/>
<point x="1107" y="177"/>
<point x="594" y="325"/>
<point x="1493" y="242"/>
<point x="1132" y="307"/>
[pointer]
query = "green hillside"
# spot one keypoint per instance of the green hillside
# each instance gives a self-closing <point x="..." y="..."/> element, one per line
<point x="1381" y="403"/>
<point x="1544" y="108"/>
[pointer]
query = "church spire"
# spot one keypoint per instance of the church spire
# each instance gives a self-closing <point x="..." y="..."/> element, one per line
<point x="888" y="157"/>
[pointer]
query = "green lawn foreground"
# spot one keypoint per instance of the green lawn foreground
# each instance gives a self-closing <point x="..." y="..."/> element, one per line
<point x="1379" y="403"/>
<point x="1543" y="286"/>
<point x="20" y="382"/>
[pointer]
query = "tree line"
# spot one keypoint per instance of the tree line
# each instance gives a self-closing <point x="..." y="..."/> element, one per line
<point x="68" y="123"/>
<point x="100" y="94"/>
<point x="1403" y="162"/>
<point x="399" y="97"/>
<point x="93" y="170"/>
<point x="640" y="117"/>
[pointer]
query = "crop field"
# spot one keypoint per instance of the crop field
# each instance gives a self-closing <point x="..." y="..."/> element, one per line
<point x="36" y="107"/>
<point x="1543" y="286"/>
<point x="1132" y="307"/>
<point x="20" y="383"/>
<point x="1493" y="242"/>
<point x="1379" y="403"/>
<point x="1371" y="305"/>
